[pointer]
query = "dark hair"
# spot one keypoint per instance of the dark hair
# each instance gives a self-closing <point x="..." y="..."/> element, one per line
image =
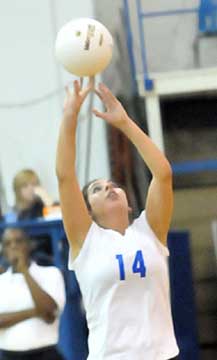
<point x="85" y="193"/>
<point x="24" y="235"/>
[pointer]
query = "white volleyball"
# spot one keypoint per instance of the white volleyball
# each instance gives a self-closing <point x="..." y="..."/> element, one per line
<point x="84" y="47"/>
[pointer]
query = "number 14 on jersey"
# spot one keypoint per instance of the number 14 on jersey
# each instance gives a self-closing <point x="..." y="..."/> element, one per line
<point x="138" y="265"/>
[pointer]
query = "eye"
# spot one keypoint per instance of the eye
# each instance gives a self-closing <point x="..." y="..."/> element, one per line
<point x="96" y="189"/>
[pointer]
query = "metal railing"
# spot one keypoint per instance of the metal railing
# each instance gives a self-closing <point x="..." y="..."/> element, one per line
<point x="142" y="15"/>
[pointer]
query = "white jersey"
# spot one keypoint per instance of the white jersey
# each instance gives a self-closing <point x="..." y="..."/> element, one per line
<point x="33" y="333"/>
<point x="125" y="287"/>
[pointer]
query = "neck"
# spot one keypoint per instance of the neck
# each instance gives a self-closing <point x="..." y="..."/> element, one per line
<point x="118" y="222"/>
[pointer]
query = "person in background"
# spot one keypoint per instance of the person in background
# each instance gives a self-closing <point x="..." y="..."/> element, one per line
<point x="32" y="299"/>
<point x="30" y="201"/>
<point x="30" y="196"/>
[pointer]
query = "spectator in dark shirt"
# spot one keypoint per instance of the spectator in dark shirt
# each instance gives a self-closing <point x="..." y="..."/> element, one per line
<point x="30" y="196"/>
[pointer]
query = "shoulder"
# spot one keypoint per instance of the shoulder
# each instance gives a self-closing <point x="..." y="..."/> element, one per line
<point x="47" y="271"/>
<point x="140" y="222"/>
<point x="142" y="226"/>
<point x="4" y="277"/>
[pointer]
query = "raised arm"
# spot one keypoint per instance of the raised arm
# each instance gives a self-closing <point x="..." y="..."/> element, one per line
<point x="75" y="214"/>
<point x="159" y="203"/>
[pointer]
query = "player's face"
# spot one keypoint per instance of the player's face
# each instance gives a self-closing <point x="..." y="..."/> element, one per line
<point x="105" y="196"/>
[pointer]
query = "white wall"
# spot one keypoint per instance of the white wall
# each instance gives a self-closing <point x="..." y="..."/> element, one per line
<point x="170" y="40"/>
<point x="28" y="134"/>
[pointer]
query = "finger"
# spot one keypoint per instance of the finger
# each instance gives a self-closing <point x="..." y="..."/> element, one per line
<point x="88" y="89"/>
<point x="67" y="90"/>
<point x="98" y="94"/>
<point x="66" y="101"/>
<point x="81" y="82"/>
<point x="99" y="114"/>
<point x="101" y="93"/>
<point x="91" y="82"/>
<point x="67" y="96"/>
<point x="76" y="87"/>
<point x="106" y="94"/>
<point x="64" y="106"/>
<point x="90" y="85"/>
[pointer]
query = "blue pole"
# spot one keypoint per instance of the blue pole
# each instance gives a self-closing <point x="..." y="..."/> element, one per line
<point x="147" y="82"/>
<point x="191" y="167"/>
<point x="168" y="12"/>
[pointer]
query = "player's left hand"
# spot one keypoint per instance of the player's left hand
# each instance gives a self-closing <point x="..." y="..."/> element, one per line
<point x="115" y="114"/>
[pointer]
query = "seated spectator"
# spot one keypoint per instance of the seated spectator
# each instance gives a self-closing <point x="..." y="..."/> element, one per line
<point x="30" y="197"/>
<point x="32" y="299"/>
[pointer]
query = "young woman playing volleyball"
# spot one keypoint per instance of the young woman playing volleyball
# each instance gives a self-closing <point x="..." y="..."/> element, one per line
<point x="121" y="267"/>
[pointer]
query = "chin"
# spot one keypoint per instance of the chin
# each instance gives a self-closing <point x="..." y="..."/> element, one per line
<point x="117" y="207"/>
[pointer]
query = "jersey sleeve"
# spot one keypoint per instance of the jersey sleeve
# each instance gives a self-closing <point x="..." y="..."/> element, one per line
<point x="93" y="233"/>
<point x="142" y="224"/>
